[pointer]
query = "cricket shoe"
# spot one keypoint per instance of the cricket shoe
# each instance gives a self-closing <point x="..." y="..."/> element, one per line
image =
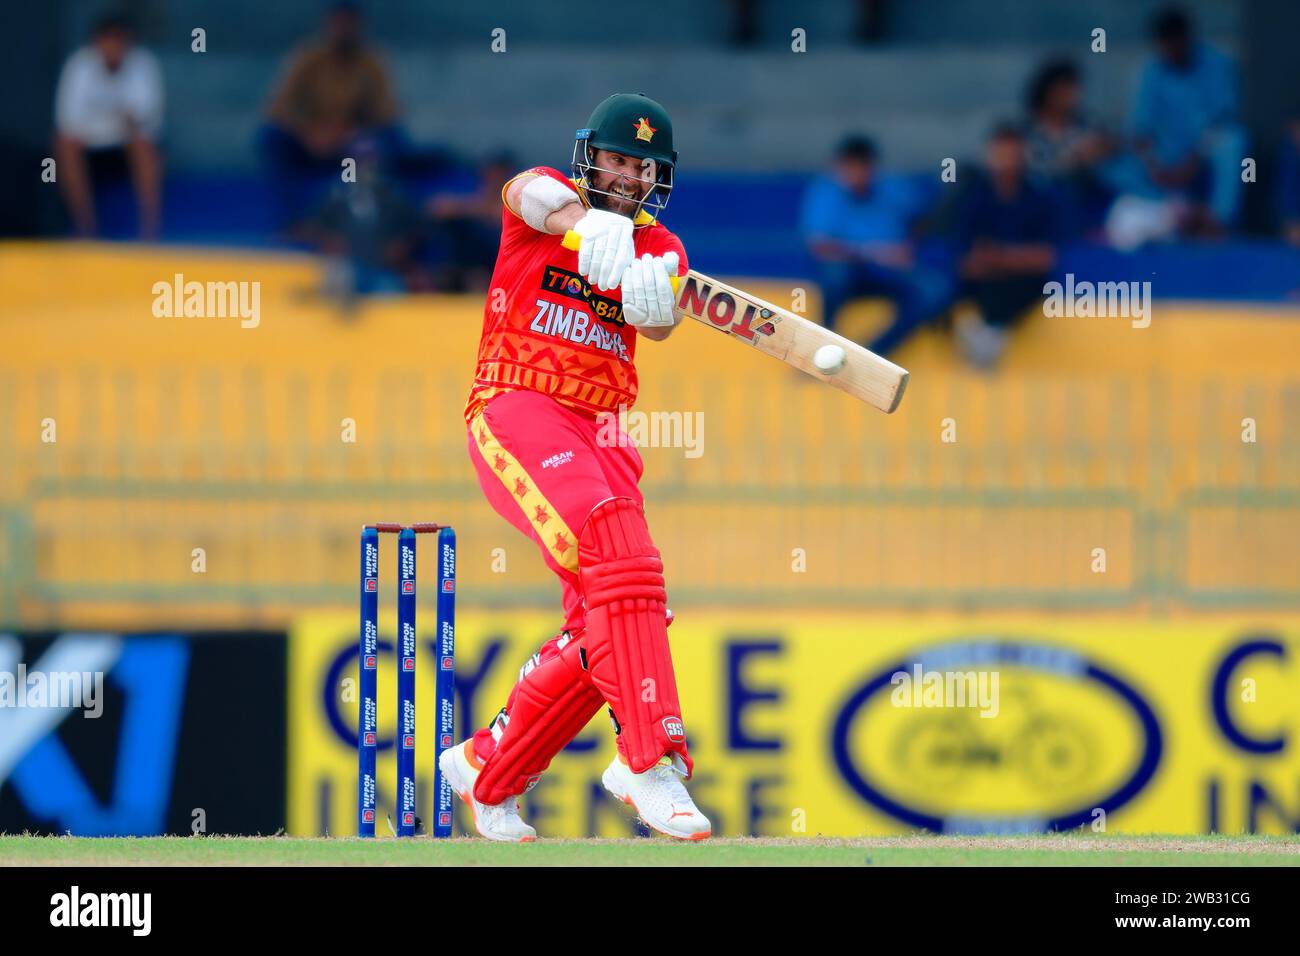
<point x="495" y="821"/>
<point x="658" y="797"/>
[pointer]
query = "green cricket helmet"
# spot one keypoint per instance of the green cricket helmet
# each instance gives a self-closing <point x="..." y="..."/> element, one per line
<point x="634" y="125"/>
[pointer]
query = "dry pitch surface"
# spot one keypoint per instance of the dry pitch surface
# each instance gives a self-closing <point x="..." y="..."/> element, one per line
<point x="1057" y="850"/>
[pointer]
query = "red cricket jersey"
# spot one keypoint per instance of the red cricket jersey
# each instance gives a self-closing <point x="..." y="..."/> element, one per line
<point x="547" y="330"/>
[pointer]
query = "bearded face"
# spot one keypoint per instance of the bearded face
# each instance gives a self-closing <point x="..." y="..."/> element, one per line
<point x="618" y="183"/>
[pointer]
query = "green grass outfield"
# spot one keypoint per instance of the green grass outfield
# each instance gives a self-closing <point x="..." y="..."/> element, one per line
<point x="1057" y="850"/>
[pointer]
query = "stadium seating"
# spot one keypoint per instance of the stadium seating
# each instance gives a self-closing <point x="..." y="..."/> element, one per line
<point x="178" y="433"/>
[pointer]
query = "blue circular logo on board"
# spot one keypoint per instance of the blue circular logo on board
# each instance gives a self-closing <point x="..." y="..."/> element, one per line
<point x="1043" y="738"/>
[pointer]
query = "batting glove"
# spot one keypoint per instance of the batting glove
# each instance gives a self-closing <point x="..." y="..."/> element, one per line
<point x="648" y="291"/>
<point x="606" y="248"/>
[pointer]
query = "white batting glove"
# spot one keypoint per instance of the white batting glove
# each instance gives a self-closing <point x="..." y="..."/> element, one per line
<point x="606" y="248"/>
<point x="648" y="295"/>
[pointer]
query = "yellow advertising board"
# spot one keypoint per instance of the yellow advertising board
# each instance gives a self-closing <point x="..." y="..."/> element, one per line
<point x="854" y="724"/>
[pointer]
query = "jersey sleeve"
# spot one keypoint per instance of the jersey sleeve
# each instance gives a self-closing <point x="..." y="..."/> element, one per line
<point x="513" y="228"/>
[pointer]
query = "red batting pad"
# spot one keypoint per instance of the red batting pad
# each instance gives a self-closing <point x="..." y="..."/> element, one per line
<point x="627" y="635"/>
<point x="548" y="708"/>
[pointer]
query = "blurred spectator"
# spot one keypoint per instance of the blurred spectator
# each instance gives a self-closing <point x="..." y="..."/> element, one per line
<point x="856" y="224"/>
<point x="335" y="90"/>
<point x="1007" y="238"/>
<point x="1289" y="193"/>
<point x="1186" y="172"/>
<point x="467" y="227"/>
<point x="370" y="230"/>
<point x="744" y="22"/>
<point x="868" y="28"/>
<point x="871" y="20"/>
<point x="1065" y="149"/>
<point x="108" y="117"/>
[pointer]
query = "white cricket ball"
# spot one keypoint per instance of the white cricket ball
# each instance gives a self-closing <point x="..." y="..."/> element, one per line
<point x="829" y="359"/>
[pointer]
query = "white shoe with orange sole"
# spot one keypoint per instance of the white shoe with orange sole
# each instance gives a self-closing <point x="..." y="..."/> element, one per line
<point x="494" y="821"/>
<point x="658" y="797"/>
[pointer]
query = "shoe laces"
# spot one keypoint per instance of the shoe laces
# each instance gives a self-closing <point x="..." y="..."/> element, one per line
<point x="507" y="808"/>
<point x="670" y="779"/>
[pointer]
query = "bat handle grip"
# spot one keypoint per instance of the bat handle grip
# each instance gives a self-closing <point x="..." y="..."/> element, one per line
<point x="572" y="241"/>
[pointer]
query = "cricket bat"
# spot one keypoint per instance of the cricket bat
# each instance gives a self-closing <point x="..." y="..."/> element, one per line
<point x="786" y="336"/>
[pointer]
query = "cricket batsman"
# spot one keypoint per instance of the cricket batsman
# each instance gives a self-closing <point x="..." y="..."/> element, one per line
<point x="558" y="351"/>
